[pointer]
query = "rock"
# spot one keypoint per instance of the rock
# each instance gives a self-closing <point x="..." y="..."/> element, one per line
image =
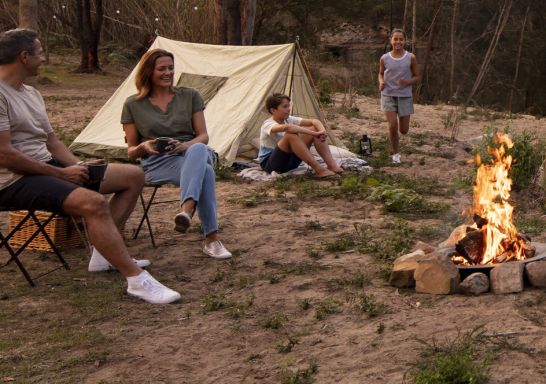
<point x="457" y="234"/>
<point x="507" y="277"/>
<point x="536" y="273"/>
<point x="427" y="248"/>
<point x="403" y="269"/>
<point x="540" y="249"/>
<point x="437" y="276"/>
<point x="448" y="252"/>
<point x="475" y="284"/>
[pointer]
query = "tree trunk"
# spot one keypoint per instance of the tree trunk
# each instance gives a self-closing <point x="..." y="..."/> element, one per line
<point x="404" y="18"/>
<point x="414" y="26"/>
<point x="499" y="28"/>
<point x="518" y="58"/>
<point x="233" y="21"/>
<point x="453" y="28"/>
<point x="429" y="49"/>
<point x="89" y="35"/>
<point x="28" y="14"/>
<point x="219" y="22"/>
<point x="248" y="16"/>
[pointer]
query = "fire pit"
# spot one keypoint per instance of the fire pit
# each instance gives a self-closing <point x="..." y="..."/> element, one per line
<point x="489" y="248"/>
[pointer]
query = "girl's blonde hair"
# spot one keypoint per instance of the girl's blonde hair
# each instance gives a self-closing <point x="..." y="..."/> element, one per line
<point x="146" y="66"/>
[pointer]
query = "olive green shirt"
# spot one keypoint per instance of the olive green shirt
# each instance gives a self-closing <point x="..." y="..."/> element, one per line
<point x="151" y="122"/>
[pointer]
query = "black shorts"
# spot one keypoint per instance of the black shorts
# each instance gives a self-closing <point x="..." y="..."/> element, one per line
<point x="280" y="161"/>
<point x="38" y="192"/>
<point x="45" y="193"/>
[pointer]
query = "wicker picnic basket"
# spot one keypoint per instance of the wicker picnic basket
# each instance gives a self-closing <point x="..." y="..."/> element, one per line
<point x="61" y="230"/>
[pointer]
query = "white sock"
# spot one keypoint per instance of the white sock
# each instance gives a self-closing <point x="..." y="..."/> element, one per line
<point x="138" y="278"/>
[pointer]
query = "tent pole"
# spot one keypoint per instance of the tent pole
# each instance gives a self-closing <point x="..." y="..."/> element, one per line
<point x="296" y="46"/>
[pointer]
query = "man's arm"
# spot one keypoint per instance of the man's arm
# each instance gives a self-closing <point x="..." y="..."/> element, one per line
<point x="59" y="151"/>
<point x="16" y="161"/>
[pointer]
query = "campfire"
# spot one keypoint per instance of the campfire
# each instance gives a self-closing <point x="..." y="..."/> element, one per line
<point x="493" y="237"/>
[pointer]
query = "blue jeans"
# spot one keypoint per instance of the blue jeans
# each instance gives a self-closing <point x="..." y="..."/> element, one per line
<point x="193" y="172"/>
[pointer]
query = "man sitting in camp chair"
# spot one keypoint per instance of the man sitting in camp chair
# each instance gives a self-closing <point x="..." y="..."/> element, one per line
<point x="37" y="171"/>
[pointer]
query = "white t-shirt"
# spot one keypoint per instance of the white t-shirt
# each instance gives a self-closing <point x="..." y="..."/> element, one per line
<point x="23" y="113"/>
<point x="268" y="139"/>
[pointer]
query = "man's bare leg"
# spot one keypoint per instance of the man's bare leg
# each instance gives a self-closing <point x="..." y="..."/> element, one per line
<point x="126" y="183"/>
<point x="103" y="233"/>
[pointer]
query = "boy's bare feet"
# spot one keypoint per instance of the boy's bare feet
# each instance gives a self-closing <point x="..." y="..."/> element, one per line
<point x="325" y="173"/>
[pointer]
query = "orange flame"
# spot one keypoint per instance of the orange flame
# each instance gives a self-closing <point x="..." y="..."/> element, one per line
<point x="491" y="195"/>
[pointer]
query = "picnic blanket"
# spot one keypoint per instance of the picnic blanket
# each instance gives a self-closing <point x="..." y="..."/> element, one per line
<point x="258" y="174"/>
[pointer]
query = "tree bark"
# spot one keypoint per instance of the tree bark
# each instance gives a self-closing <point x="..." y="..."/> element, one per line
<point x="499" y="28"/>
<point x="414" y="26"/>
<point x="89" y="35"/>
<point x="28" y="14"/>
<point x="429" y="49"/>
<point x="453" y="28"/>
<point x="518" y="58"/>
<point x="234" y="21"/>
<point x="248" y="16"/>
<point x="405" y="15"/>
<point x="219" y="22"/>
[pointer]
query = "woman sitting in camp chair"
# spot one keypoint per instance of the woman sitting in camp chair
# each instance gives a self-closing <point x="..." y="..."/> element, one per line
<point x="165" y="127"/>
<point x="285" y="141"/>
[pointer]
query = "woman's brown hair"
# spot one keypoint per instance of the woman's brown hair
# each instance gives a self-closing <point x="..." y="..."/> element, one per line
<point x="146" y="66"/>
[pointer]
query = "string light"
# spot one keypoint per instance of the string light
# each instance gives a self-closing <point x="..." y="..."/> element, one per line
<point x="117" y="11"/>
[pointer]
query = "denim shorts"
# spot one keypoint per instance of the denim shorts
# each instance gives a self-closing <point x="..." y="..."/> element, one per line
<point x="403" y="106"/>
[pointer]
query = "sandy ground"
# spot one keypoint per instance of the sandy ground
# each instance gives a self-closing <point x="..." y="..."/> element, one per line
<point x="270" y="276"/>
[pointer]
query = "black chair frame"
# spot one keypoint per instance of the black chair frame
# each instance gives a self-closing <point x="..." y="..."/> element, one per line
<point x="40" y="229"/>
<point x="146" y="206"/>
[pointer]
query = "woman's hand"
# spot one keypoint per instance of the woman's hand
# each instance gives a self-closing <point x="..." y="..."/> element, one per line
<point x="176" y="147"/>
<point x="148" y="146"/>
<point x="381" y="85"/>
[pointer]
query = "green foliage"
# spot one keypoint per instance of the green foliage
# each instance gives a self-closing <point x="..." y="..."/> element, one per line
<point x="326" y="307"/>
<point x="457" y="361"/>
<point x="404" y="200"/>
<point x="385" y="244"/>
<point x="528" y="154"/>
<point x="273" y="320"/>
<point x="368" y="304"/>
<point x="305" y="303"/>
<point x="301" y="376"/>
<point x="287" y="347"/>
<point x="325" y="91"/>
<point x="339" y="245"/>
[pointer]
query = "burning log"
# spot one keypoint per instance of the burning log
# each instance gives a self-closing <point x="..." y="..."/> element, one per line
<point x="480" y="221"/>
<point x="471" y="246"/>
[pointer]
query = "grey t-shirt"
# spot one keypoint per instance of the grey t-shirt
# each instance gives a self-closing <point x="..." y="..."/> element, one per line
<point x="23" y="114"/>
<point x="396" y="69"/>
<point x="151" y="122"/>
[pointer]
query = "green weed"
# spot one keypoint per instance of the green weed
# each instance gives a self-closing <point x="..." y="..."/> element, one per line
<point x="368" y="304"/>
<point x="341" y="244"/>
<point x="273" y="320"/>
<point x="461" y="360"/>
<point x="326" y="307"/>
<point x="305" y="376"/>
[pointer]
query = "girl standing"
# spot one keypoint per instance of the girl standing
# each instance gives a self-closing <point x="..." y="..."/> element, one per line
<point x="397" y="73"/>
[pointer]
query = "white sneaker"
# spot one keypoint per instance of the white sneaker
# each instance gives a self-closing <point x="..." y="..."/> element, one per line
<point x="145" y="287"/>
<point x="182" y="221"/>
<point x="98" y="263"/>
<point x="396" y="158"/>
<point x="217" y="250"/>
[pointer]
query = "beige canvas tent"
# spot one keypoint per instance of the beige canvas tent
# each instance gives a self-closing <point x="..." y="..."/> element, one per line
<point x="234" y="81"/>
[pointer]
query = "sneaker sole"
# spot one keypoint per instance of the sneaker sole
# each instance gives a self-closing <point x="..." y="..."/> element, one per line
<point x="182" y="223"/>
<point x="102" y="268"/>
<point x="221" y="257"/>
<point x="169" y="301"/>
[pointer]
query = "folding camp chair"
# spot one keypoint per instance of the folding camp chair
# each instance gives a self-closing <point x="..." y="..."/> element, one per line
<point x="146" y="205"/>
<point x="28" y="220"/>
